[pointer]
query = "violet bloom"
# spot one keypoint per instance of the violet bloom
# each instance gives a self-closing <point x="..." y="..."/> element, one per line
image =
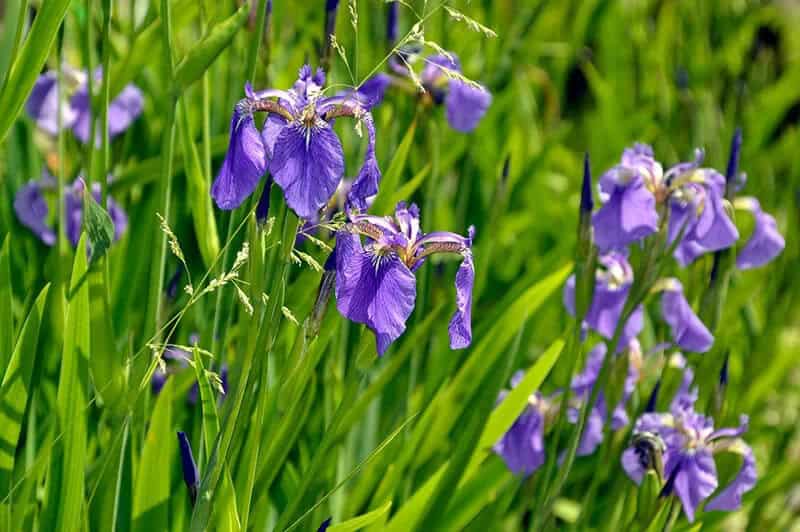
<point x="297" y="145"/>
<point x="689" y="442"/>
<point x="191" y="475"/>
<point x="465" y="102"/>
<point x="522" y="446"/>
<point x="42" y="105"/>
<point x="613" y="281"/>
<point x="375" y="283"/>
<point x="632" y="190"/>
<point x="765" y="243"/>
<point x="33" y="211"/>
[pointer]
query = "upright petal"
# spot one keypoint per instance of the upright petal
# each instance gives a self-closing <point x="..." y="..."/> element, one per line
<point x="244" y="164"/>
<point x="377" y="291"/>
<point x="460" y="327"/>
<point x="31" y="210"/>
<point x="466" y="104"/>
<point x="307" y="163"/>
<point x="366" y="182"/>
<point x="688" y="332"/>
<point x="765" y="243"/>
<point x="730" y="498"/>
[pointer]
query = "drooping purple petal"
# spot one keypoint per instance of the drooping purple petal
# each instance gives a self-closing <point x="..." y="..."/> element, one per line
<point x="730" y="498"/>
<point x="688" y="331"/>
<point x="244" y="164"/>
<point x="436" y="67"/>
<point x="32" y="211"/>
<point x="379" y="292"/>
<point x="522" y="446"/>
<point x="460" y="328"/>
<point x="628" y="215"/>
<point x="366" y="182"/>
<point x="307" y="163"/>
<point x="632" y="463"/>
<point x="273" y="126"/>
<point x="765" y="243"/>
<point x="42" y="104"/>
<point x="466" y="104"/>
<point x="695" y="479"/>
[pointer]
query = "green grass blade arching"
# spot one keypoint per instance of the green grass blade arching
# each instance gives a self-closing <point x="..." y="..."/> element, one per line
<point x="16" y="388"/>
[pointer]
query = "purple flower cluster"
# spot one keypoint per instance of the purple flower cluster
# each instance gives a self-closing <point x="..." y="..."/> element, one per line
<point x="297" y="145"/>
<point x="638" y="195"/>
<point x="688" y="442"/>
<point x="43" y="105"/>
<point x="522" y="446"/>
<point x="375" y="282"/>
<point x="32" y="210"/>
<point x="613" y="281"/>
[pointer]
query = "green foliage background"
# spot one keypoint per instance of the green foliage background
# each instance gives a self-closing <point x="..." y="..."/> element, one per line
<point x="316" y="425"/>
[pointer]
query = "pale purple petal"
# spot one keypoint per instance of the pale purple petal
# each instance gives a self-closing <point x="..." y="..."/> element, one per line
<point x="42" y="104"/>
<point x="379" y="294"/>
<point x="632" y="464"/>
<point x="122" y="111"/>
<point x="688" y="331"/>
<point x="372" y="91"/>
<point x="466" y="105"/>
<point x="460" y="327"/>
<point x="436" y="67"/>
<point x="307" y="163"/>
<point x="730" y="498"/>
<point x="244" y="164"/>
<point x="765" y="243"/>
<point x="628" y="215"/>
<point x="32" y="211"/>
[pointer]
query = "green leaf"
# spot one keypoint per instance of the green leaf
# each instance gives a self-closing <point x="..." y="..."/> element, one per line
<point x="357" y="523"/>
<point x="30" y="61"/>
<point x="152" y="489"/>
<point x="16" y="388"/>
<point x="408" y="188"/>
<point x="225" y="505"/>
<point x="97" y="224"/>
<point x="72" y="400"/>
<point x="197" y="61"/>
<point x="205" y="225"/>
<point x="390" y="181"/>
<point x="6" y="299"/>
<point x="476" y="494"/>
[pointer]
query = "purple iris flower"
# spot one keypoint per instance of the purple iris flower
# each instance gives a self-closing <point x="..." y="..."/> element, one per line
<point x="522" y="446"/>
<point x="42" y="105"/>
<point x="176" y="360"/>
<point x="297" y="145"/>
<point x="191" y="475"/>
<point x="629" y="211"/>
<point x="765" y="243"/>
<point x="375" y="283"/>
<point x="33" y="212"/>
<point x="689" y="441"/>
<point x="613" y="281"/>
<point x="632" y="190"/>
<point x="465" y="102"/>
